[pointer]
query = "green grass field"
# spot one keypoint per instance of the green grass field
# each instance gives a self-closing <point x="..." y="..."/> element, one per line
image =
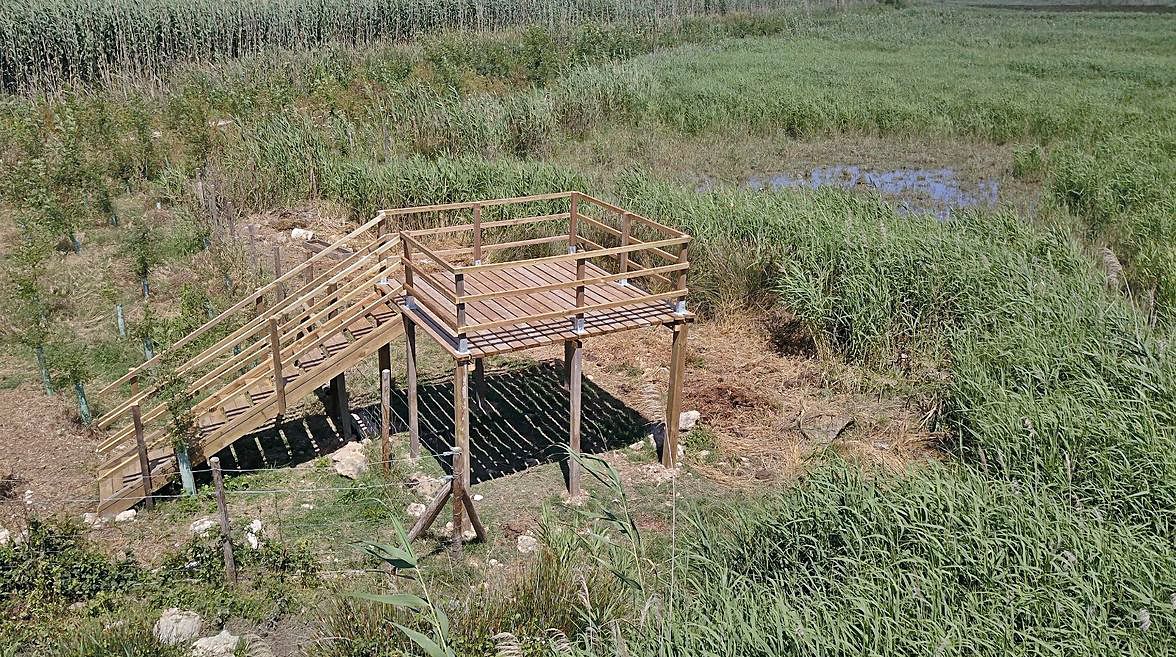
<point x="1048" y="528"/>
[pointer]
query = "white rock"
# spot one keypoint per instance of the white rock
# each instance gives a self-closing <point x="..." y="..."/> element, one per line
<point x="177" y="626"/>
<point x="638" y="445"/>
<point x="350" y="461"/>
<point x="687" y="420"/>
<point x="527" y="544"/>
<point x="221" y="645"/>
<point x="493" y="563"/>
<point x="302" y="234"/>
<point x="306" y="505"/>
<point x="202" y="526"/>
<point x="5" y="536"/>
<point x="681" y="450"/>
<point x="253" y="534"/>
<point x="90" y="518"/>
<point x="125" y="516"/>
<point x="704" y="453"/>
<point x="478" y="498"/>
<point x="416" y="509"/>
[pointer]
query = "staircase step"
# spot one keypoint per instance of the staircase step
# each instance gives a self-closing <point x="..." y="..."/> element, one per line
<point x="382" y="313"/>
<point x="335" y="344"/>
<point x="236" y="405"/>
<point x="361" y="327"/>
<point x="312" y="360"/>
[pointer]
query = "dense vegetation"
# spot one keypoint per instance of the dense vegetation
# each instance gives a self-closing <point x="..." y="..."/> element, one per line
<point x="1050" y="531"/>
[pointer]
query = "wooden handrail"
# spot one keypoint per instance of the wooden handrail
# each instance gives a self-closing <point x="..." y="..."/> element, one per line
<point x="568" y="257"/>
<point x="572" y="311"/>
<point x="437" y="260"/>
<point x="673" y="232"/>
<point x="235" y="308"/>
<point x="595" y="280"/>
<point x="501" y="223"/>
<point x="254" y="327"/>
<point x="444" y="207"/>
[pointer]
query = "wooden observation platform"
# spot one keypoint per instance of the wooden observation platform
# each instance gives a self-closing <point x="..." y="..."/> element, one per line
<point x="488" y="277"/>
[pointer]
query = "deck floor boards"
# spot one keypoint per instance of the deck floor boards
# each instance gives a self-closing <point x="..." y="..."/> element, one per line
<point x="527" y="334"/>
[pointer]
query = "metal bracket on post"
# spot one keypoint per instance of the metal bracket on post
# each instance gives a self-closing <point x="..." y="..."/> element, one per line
<point x="680" y="307"/>
<point x="463" y="345"/>
<point x="578" y="326"/>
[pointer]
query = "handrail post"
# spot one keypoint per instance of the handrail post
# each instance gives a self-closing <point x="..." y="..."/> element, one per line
<point x="680" y="281"/>
<point x="463" y="345"/>
<point x="408" y="285"/>
<point x="477" y="234"/>
<point x="626" y="228"/>
<point x="578" y="327"/>
<point x="279" y="376"/>
<point x="144" y="459"/>
<point x="573" y="221"/>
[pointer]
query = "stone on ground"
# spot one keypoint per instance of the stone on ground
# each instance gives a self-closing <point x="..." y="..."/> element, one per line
<point x="221" y="645"/>
<point x="415" y="510"/>
<point x="527" y="544"/>
<point x="688" y="419"/>
<point x="125" y="516"/>
<point x="202" y="526"/>
<point x="177" y="626"/>
<point x="350" y="461"/>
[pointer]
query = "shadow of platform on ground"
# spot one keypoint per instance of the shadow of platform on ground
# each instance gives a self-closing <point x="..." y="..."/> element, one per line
<point x="523" y="422"/>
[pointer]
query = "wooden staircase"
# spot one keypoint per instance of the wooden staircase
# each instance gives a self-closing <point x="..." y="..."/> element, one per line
<point x="241" y="371"/>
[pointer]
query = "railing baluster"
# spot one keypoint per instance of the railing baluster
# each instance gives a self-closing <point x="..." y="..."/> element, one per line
<point x="580" y="267"/>
<point x="408" y="285"/>
<point x="573" y="222"/>
<point x="477" y="234"/>
<point x="626" y="227"/>
<point x="463" y="345"/>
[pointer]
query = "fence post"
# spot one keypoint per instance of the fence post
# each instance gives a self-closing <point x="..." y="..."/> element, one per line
<point x="121" y="320"/>
<point x="463" y="344"/>
<point x="218" y="480"/>
<point x="144" y="459"/>
<point x="83" y="404"/>
<point x="385" y="430"/>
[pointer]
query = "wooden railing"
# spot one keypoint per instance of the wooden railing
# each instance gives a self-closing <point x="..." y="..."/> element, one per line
<point x="266" y="340"/>
<point x="636" y="249"/>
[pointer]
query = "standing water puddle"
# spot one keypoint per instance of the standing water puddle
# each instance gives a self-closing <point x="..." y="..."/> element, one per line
<point x="911" y="191"/>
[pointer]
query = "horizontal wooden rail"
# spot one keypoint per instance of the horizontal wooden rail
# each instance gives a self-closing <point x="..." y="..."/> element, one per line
<point x="632" y="240"/>
<point x="430" y="279"/>
<point x="667" y="230"/>
<point x="569" y="257"/>
<point x="501" y="223"/>
<point x="573" y="311"/>
<point x="437" y="260"/>
<point x="572" y="284"/>
<point x="240" y="305"/>
<point x="445" y="207"/>
<point x="440" y="314"/>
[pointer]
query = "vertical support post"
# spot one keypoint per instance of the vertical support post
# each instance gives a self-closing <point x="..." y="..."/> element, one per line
<point x="461" y="443"/>
<point x="276" y="355"/>
<point x="566" y="374"/>
<point x="121" y="320"/>
<point x="407" y="268"/>
<point x="480" y="384"/>
<point x="579" y="326"/>
<point x="222" y="510"/>
<point x="674" y="397"/>
<point x="463" y="344"/>
<point x="410" y="360"/>
<point x="575" y="380"/>
<point x="573" y="222"/>
<point x="384" y="357"/>
<point x="385" y="416"/>
<point x="144" y="460"/>
<point x="477" y="234"/>
<point x="626" y="228"/>
<point x="342" y="405"/>
<point x="134" y="385"/>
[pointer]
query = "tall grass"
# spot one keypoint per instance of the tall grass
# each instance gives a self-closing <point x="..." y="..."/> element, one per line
<point x="1048" y="378"/>
<point x="69" y="41"/>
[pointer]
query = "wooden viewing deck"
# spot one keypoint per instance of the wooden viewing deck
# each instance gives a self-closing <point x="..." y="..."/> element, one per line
<point x="492" y="277"/>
